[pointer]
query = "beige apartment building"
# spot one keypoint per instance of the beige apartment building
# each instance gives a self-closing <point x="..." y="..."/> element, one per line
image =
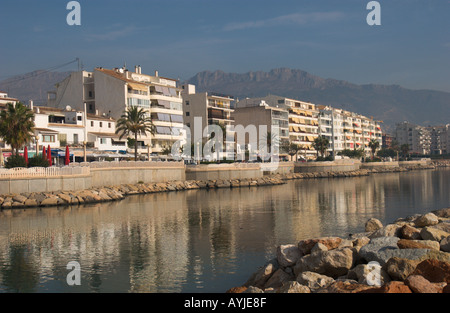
<point x="209" y="108"/>
<point x="270" y="120"/>
<point x="109" y="92"/>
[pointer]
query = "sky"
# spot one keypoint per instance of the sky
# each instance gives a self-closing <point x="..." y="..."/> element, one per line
<point x="180" y="38"/>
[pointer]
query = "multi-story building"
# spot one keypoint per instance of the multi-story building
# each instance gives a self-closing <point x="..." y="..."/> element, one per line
<point x="348" y="130"/>
<point x="418" y="138"/>
<point x="112" y="91"/>
<point x="387" y="141"/>
<point x="275" y="120"/>
<point x="5" y="99"/>
<point x="57" y="128"/>
<point x="302" y="120"/>
<point x="439" y="139"/>
<point x="209" y="108"/>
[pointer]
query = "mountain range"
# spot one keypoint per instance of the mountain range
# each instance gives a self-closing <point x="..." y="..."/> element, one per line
<point x="388" y="103"/>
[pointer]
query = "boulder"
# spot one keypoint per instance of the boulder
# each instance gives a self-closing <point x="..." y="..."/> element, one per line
<point x="409" y="232"/>
<point x="260" y="277"/>
<point x="419" y="284"/>
<point x="332" y="263"/>
<point x="253" y="289"/>
<point x="278" y="279"/>
<point x="293" y="287"/>
<point x="305" y="246"/>
<point x="418" y="244"/>
<point x="19" y="198"/>
<point x="400" y="269"/>
<point x="370" y="274"/>
<point x="314" y="281"/>
<point x="395" y="287"/>
<point x="442" y="213"/>
<point x="433" y="233"/>
<point x="391" y="230"/>
<point x="345" y="286"/>
<point x="445" y="244"/>
<point x="434" y="271"/>
<point x="373" y="224"/>
<point x="237" y="289"/>
<point x="288" y="255"/>
<point x="428" y="219"/>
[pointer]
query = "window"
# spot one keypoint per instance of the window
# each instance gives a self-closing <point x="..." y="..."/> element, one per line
<point x="75" y="139"/>
<point x="187" y="102"/>
<point x="109" y="125"/>
<point x="79" y="118"/>
<point x="92" y="123"/>
<point x="103" y="141"/>
<point x="48" y="138"/>
<point x="187" y="114"/>
<point x="101" y="124"/>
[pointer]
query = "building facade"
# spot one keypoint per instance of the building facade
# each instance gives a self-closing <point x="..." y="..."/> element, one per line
<point x="208" y="108"/>
<point x="267" y="121"/>
<point x="418" y="138"/>
<point x="111" y="92"/>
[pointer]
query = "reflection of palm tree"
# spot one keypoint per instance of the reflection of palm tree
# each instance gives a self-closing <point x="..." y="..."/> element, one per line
<point x="20" y="275"/>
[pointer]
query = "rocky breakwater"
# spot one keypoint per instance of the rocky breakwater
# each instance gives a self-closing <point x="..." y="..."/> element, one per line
<point x="411" y="255"/>
<point x="115" y="193"/>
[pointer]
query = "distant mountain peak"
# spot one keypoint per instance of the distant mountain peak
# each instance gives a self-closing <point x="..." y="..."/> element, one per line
<point x="390" y="103"/>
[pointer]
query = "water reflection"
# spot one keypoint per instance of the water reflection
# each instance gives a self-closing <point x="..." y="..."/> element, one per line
<point x="197" y="241"/>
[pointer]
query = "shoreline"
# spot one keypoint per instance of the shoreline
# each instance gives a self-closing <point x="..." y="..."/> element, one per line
<point x="117" y="193"/>
<point x="410" y="255"/>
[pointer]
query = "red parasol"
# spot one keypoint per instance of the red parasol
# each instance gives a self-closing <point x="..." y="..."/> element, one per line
<point x="25" y="154"/>
<point x="44" y="155"/>
<point x="67" y="156"/>
<point x="49" y="154"/>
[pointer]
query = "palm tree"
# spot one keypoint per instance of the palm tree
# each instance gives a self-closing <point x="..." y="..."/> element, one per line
<point x="321" y="144"/>
<point x="134" y="121"/>
<point x="16" y="125"/>
<point x="374" y="145"/>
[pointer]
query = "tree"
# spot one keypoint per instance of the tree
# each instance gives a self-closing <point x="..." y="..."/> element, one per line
<point x="16" y="125"/>
<point x="321" y="144"/>
<point x="374" y="145"/>
<point x="136" y="122"/>
<point x="292" y="149"/>
<point x="404" y="148"/>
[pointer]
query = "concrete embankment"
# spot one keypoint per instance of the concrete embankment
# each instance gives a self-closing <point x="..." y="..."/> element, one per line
<point x="410" y="255"/>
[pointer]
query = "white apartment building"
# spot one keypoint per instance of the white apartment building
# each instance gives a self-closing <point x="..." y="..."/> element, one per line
<point x="57" y="128"/>
<point x="348" y="130"/>
<point x="5" y="99"/>
<point x="112" y="91"/>
<point x="418" y="138"/>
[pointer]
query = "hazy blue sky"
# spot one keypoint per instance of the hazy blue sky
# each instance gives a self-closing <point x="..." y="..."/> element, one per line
<point x="179" y="38"/>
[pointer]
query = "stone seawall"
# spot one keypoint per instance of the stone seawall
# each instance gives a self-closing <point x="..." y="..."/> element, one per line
<point x="411" y="255"/>
<point x="118" y="192"/>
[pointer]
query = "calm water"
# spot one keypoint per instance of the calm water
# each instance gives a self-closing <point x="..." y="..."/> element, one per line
<point x="197" y="241"/>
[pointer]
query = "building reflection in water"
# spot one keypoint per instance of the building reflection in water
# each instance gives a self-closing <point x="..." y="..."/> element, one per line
<point x="197" y="241"/>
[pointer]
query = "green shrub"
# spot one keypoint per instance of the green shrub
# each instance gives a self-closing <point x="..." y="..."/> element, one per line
<point x="15" y="160"/>
<point x="38" y="161"/>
